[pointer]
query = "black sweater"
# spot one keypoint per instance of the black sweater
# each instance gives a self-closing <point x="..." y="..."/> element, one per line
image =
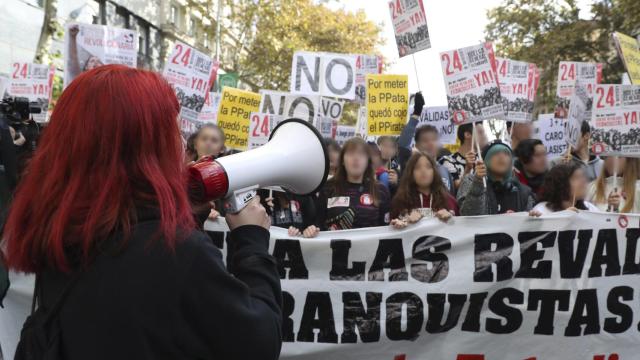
<point x="148" y="303"/>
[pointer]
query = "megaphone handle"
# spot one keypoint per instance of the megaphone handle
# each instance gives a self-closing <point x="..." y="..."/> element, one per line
<point x="235" y="202"/>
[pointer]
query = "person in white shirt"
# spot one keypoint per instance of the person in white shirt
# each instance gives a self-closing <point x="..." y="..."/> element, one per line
<point x="564" y="188"/>
<point x="620" y="193"/>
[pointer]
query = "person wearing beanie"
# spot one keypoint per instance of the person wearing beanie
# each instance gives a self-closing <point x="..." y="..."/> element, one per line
<point x="502" y="194"/>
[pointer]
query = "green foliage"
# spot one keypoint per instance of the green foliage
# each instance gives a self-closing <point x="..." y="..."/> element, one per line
<point x="272" y="30"/>
<point x="546" y="32"/>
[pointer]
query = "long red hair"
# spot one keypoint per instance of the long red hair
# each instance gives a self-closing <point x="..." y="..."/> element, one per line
<point x="112" y="145"/>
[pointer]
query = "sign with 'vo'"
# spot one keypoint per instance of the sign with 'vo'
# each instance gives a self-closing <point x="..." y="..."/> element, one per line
<point x="325" y="74"/>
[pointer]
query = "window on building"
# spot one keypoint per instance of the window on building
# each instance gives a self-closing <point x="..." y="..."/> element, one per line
<point x="192" y="27"/>
<point x="173" y="16"/>
<point x="205" y="39"/>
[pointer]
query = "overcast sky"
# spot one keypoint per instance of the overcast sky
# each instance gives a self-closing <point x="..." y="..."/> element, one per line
<point x="452" y="24"/>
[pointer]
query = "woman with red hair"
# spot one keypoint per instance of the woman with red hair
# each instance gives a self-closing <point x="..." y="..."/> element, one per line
<point x="103" y="219"/>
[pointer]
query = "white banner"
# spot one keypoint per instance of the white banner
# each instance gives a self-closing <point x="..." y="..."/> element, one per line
<point x="88" y="46"/>
<point x="290" y="105"/>
<point x="616" y="120"/>
<point x="33" y="81"/>
<point x="564" y="286"/>
<point x="209" y="112"/>
<point x="260" y="127"/>
<point x="579" y="112"/>
<point x="189" y="71"/>
<point x="551" y="132"/>
<point x="325" y="74"/>
<point x="366" y="64"/>
<point x="344" y="133"/>
<point x="329" y="116"/>
<point x="410" y="26"/>
<point x="471" y="82"/>
<point x="438" y="116"/>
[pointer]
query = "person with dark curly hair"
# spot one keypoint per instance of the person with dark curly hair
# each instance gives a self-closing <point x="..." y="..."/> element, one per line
<point x="564" y="188"/>
<point x="531" y="164"/>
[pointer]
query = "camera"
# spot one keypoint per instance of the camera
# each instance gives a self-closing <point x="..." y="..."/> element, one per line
<point x="18" y="109"/>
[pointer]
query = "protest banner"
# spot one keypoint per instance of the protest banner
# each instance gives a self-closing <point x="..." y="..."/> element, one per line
<point x="260" y="128"/>
<point x="579" y="111"/>
<point x="228" y="79"/>
<point x="629" y="51"/>
<point x="361" y="122"/>
<point x="329" y="116"/>
<point x="209" y="112"/>
<point x="551" y="132"/>
<point x="502" y="292"/>
<point x="515" y="79"/>
<point x="326" y="74"/>
<point x="410" y="26"/>
<point x="569" y="73"/>
<point x="344" y="133"/>
<point x="300" y="106"/>
<point x="438" y="116"/>
<point x="189" y="71"/>
<point x="88" y="46"/>
<point x="387" y="104"/>
<point x="236" y="106"/>
<point x="615" y="122"/>
<point x="366" y="64"/>
<point x="471" y="82"/>
<point x="34" y="82"/>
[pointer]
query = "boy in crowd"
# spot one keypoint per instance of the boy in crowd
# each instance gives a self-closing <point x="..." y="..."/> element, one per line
<point x="426" y="139"/>
<point x="590" y="164"/>
<point x="502" y="192"/>
<point x="389" y="153"/>
<point x="530" y="166"/>
<point x="461" y="162"/>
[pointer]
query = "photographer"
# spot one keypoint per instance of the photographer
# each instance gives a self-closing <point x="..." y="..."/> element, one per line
<point x="108" y="230"/>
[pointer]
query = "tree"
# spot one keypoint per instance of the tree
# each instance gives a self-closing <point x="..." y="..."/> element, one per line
<point x="546" y="32"/>
<point x="50" y="28"/>
<point x="270" y="31"/>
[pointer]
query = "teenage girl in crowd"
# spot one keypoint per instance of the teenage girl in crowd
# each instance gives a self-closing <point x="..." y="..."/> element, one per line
<point x="564" y="188"/>
<point x="621" y="194"/>
<point x="207" y="141"/>
<point x="353" y="198"/>
<point x="421" y="193"/>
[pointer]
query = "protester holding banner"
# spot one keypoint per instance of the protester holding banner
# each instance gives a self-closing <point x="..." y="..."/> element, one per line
<point x="353" y="198"/>
<point x="493" y="189"/>
<point x="456" y="164"/>
<point x="530" y="166"/>
<point x="208" y="141"/>
<point x="108" y="230"/>
<point x="74" y="65"/>
<point x="297" y="213"/>
<point x="617" y="188"/>
<point x="565" y="188"/>
<point x="591" y="164"/>
<point x="333" y="148"/>
<point x="421" y="193"/>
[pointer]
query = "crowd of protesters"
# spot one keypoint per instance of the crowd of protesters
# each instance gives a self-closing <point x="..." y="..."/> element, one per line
<point x="392" y="182"/>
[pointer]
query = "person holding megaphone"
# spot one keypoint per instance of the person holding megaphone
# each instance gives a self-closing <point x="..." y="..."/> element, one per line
<point x="103" y="219"/>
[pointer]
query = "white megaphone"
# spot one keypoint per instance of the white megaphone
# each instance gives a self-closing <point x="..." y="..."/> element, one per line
<point x="295" y="158"/>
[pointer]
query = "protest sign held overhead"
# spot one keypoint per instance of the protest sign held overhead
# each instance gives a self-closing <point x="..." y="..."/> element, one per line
<point x="616" y="121"/>
<point x="300" y="106"/>
<point x="387" y="104"/>
<point x="344" y="133"/>
<point x="325" y="74"/>
<point x="260" y="128"/>
<point x="438" y="116"/>
<point x="517" y="88"/>
<point x="236" y="106"/>
<point x="471" y="83"/>
<point x="410" y="26"/>
<point x="589" y="74"/>
<point x="209" y="112"/>
<point x="383" y="292"/>
<point x="551" y="132"/>
<point x="629" y="51"/>
<point x="329" y="116"/>
<point x="366" y="64"/>
<point x="88" y="46"/>
<point x="361" y="122"/>
<point x="189" y="71"/>
<point x="34" y="82"/>
<point x="579" y="111"/>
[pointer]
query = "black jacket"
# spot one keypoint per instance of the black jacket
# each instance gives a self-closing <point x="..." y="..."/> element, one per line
<point x="144" y="302"/>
